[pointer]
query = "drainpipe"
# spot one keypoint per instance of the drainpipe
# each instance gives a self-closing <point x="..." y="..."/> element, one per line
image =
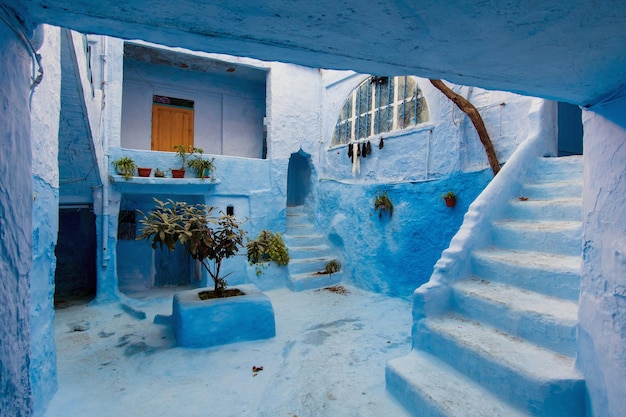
<point x="104" y="135"/>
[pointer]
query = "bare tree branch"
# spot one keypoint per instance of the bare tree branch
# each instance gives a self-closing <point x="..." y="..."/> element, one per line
<point x="468" y="108"/>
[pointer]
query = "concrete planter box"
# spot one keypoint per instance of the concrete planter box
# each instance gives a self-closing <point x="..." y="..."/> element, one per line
<point x="203" y="323"/>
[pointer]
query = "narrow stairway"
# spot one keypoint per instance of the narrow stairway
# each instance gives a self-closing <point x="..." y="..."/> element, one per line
<point x="506" y="346"/>
<point x="309" y="252"/>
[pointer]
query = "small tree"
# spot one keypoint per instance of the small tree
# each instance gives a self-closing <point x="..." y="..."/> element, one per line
<point x="206" y="238"/>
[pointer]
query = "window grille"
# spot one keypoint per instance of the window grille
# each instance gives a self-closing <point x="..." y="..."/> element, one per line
<point x="379" y="105"/>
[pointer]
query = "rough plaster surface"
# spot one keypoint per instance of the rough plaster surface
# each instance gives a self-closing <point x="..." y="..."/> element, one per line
<point x="15" y="226"/>
<point x="499" y="45"/>
<point x="45" y="127"/>
<point x="602" y="313"/>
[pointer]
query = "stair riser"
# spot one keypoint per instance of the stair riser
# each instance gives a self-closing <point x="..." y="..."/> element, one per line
<point x="300" y="241"/>
<point x="297" y="221"/>
<point x="559" y="169"/>
<point x="305" y="252"/>
<point x="415" y="402"/>
<point x="534" y="210"/>
<point x="305" y="266"/>
<point x="536" y="328"/>
<point x="313" y="282"/>
<point x="561" y="284"/>
<point x="562" y="242"/>
<point x="538" y="397"/>
<point x="559" y="190"/>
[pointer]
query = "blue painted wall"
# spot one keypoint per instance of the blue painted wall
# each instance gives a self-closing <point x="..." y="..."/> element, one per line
<point x="602" y="311"/>
<point x="395" y="255"/>
<point x="16" y="225"/>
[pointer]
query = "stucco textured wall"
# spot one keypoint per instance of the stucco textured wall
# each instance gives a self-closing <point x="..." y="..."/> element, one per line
<point x="45" y="108"/>
<point x="602" y="312"/>
<point x="15" y="226"/>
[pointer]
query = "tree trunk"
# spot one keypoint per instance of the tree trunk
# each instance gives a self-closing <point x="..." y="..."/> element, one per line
<point x="469" y="109"/>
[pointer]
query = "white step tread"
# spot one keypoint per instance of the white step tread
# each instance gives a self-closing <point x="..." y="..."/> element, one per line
<point x="516" y="354"/>
<point x="539" y="225"/>
<point x="446" y="390"/>
<point x="521" y="300"/>
<point x="532" y="259"/>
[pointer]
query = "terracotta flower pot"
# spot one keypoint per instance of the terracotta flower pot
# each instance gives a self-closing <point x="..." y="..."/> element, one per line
<point x="178" y="173"/>
<point x="450" y="201"/>
<point x="144" y="172"/>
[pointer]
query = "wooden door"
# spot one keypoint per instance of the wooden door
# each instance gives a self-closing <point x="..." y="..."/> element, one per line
<point x="172" y="268"/>
<point x="171" y="126"/>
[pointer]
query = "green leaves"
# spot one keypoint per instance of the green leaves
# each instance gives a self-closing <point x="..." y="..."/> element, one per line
<point x="268" y="247"/>
<point x="205" y="237"/>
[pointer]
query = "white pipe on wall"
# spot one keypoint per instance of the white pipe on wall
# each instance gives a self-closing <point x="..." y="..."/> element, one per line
<point x="104" y="132"/>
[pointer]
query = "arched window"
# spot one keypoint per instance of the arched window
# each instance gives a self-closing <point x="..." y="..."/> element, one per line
<point x="379" y="105"/>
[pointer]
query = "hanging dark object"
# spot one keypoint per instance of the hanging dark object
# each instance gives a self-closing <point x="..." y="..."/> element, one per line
<point x="364" y="151"/>
<point x="358" y="149"/>
<point x="350" y="151"/>
<point x="381" y="144"/>
<point x="369" y="147"/>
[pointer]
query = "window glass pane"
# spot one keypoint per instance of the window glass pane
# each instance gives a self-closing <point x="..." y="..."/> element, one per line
<point x="383" y="122"/>
<point x="363" y="126"/>
<point x="364" y="97"/>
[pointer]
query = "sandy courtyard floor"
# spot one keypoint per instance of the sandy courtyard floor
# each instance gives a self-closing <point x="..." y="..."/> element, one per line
<point x="327" y="359"/>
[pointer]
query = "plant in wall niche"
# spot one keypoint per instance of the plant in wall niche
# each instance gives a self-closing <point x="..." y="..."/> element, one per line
<point x="267" y="247"/>
<point x="202" y="167"/>
<point x="449" y="198"/>
<point x="125" y="166"/>
<point x="208" y="239"/>
<point x="383" y="203"/>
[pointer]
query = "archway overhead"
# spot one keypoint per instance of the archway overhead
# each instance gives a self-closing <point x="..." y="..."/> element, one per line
<point x="570" y="51"/>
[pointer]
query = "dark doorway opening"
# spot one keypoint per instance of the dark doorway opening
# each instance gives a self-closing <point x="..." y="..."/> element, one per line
<point x="75" y="275"/>
<point x="298" y="178"/>
<point x="570" y="130"/>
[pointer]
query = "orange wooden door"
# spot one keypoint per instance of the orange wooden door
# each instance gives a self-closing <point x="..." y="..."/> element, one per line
<point x="171" y="126"/>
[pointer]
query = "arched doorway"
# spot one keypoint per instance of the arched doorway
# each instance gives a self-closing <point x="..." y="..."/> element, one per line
<point x="298" y="178"/>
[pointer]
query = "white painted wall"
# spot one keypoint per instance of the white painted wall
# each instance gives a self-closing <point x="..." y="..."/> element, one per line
<point x="602" y="311"/>
<point x="228" y="113"/>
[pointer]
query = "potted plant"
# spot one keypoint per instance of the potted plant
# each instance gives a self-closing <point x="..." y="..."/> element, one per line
<point x="158" y="173"/>
<point x="182" y="152"/>
<point x="332" y="266"/>
<point x="144" y="172"/>
<point x="449" y="198"/>
<point x="125" y="166"/>
<point x="383" y="203"/>
<point x="202" y="167"/>
<point x="243" y="312"/>
<point x="267" y="247"/>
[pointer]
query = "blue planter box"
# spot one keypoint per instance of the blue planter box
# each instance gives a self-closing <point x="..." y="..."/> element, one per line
<point x="203" y="323"/>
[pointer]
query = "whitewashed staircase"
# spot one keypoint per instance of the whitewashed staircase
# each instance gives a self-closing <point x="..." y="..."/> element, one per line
<point x="309" y="252"/>
<point x="505" y="345"/>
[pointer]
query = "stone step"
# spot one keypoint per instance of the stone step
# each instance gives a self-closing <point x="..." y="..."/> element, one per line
<point x="551" y="190"/>
<point x="535" y="379"/>
<point x="315" y="251"/>
<point x="309" y="281"/>
<point x="427" y="387"/>
<point x="299" y="240"/>
<point x="307" y="265"/>
<point x="558" y="169"/>
<point x="549" y="274"/>
<point x="551" y="236"/>
<point x="546" y="209"/>
<point x="301" y="229"/>
<point x="546" y="321"/>
<point x="298" y="220"/>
